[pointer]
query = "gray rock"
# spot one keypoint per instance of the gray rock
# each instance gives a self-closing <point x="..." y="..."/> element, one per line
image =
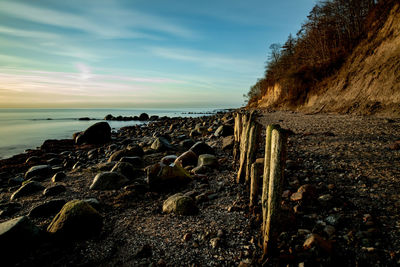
<point x="188" y="158"/>
<point x="134" y="151"/>
<point x="47" y="208"/>
<point x="163" y="176"/>
<point x="27" y="189"/>
<point x="179" y="204"/>
<point x="202" y="148"/>
<point x="54" y="190"/>
<point x="201" y="170"/>
<point x="108" y="181"/>
<point x="208" y="160"/>
<point x="137" y="162"/>
<point x="126" y="169"/>
<point x="168" y="159"/>
<point x="40" y="170"/>
<point x="161" y="144"/>
<point x="17" y="235"/>
<point x="10" y="208"/>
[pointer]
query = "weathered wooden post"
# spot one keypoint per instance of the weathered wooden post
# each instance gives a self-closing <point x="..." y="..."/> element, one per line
<point x="276" y="175"/>
<point x="237" y="134"/>
<point x="253" y="140"/>
<point x="266" y="175"/>
<point x="246" y="119"/>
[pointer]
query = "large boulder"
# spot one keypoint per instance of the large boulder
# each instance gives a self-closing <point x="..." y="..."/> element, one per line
<point x="98" y="133"/>
<point x="30" y="187"/>
<point x="208" y="160"/>
<point x="137" y="162"/>
<point x="108" y="181"/>
<point x="179" y="204"/>
<point x="168" y="159"/>
<point x="161" y="176"/>
<point x="39" y="170"/>
<point x="132" y="151"/>
<point x="202" y="148"/>
<point x="76" y="220"/>
<point x="16" y="236"/>
<point x="228" y="142"/>
<point x="144" y="117"/>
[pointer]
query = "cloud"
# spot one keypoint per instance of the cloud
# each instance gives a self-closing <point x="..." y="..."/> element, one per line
<point x="115" y="21"/>
<point x="30" y="34"/>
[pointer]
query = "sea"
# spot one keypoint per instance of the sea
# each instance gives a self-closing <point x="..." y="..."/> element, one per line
<point x="22" y="129"/>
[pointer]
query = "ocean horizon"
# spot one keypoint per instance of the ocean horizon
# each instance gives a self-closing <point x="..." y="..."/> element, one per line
<point x="28" y="128"/>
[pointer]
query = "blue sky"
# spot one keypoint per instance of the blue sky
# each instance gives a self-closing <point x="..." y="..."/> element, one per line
<point x="154" y="53"/>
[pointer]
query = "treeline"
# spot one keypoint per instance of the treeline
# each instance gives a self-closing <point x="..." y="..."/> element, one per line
<point x="331" y="32"/>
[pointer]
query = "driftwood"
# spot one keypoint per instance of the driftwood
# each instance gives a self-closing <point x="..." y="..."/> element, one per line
<point x="276" y="175"/>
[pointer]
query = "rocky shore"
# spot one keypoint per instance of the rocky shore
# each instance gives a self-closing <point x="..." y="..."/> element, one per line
<point x="164" y="194"/>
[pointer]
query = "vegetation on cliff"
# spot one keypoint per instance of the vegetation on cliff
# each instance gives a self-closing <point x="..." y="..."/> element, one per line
<point x="325" y="41"/>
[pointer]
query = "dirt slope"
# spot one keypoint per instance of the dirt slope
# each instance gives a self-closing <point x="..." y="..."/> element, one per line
<point x="368" y="83"/>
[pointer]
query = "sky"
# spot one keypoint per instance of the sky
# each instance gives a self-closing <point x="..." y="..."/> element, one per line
<point x="138" y="53"/>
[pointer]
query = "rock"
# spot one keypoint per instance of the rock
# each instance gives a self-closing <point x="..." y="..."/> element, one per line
<point x="160" y="175"/>
<point x="161" y="144"/>
<point x="188" y="158"/>
<point x="126" y="169"/>
<point x="318" y="241"/>
<point x="54" y="161"/>
<point x="32" y="160"/>
<point x="27" y="189"/>
<point x="208" y="160"/>
<point x="137" y="162"/>
<point x="144" y="252"/>
<point x="395" y="145"/>
<point x="132" y="151"/>
<point x="168" y="159"/>
<point x="84" y="119"/>
<point x="59" y="176"/>
<point x="179" y="204"/>
<point x="228" y="142"/>
<point x="54" y="190"/>
<point x="108" y="117"/>
<point x="144" y="117"/>
<point x="98" y="133"/>
<point x="187" y="143"/>
<point x="76" y="220"/>
<point x="18" y="180"/>
<point x="224" y="130"/>
<point x="47" y="208"/>
<point x="108" y="181"/>
<point x="17" y="235"/>
<point x="40" y="170"/>
<point x="10" y="208"/>
<point x="187" y="237"/>
<point x="215" y="242"/>
<point x="201" y="170"/>
<point x="305" y="192"/>
<point x="202" y="148"/>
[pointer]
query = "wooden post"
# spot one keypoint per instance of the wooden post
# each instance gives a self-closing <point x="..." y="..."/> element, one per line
<point x="277" y="167"/>
<point x="267" y="161"/>
<point x="256" y="171"/>
<point x="237" y="135"/>
<point x="246" y="119"/>
<point x="253" y="140"/>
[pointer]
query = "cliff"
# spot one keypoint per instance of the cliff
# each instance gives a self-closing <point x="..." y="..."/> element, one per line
<point x="367" y="83"/>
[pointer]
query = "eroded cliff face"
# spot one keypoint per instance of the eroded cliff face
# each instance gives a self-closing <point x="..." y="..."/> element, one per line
<point x="368" y="82"/>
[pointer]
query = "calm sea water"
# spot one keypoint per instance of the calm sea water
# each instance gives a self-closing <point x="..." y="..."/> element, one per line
<point x="22" y="129"/>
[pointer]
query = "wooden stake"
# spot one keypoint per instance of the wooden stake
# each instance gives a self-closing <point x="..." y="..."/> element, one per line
<point x="277" y="167"/>
<point x="265" y="183"/>
<point x="237" y="136"/>
<point x="246" y="119"/>
<point x="253" y="140"/>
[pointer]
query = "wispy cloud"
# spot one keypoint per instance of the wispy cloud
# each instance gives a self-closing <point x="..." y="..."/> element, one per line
<point x="115" y="21"/>
<point x="30" y="34"/>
